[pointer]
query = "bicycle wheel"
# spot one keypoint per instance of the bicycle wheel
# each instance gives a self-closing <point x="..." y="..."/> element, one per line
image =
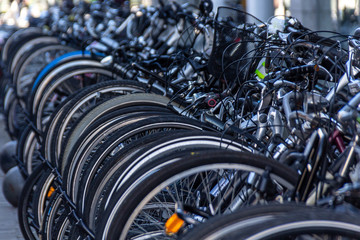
<point x="108" y="107"/>
<point x="58" y="62"/>
<point x="212" y="182"/>
<point x="28" y="149"/>
<point x="62" y="228"/>
<point x="27" y="47"/>
<point x="55" y="212"/>
<point x="16" y="40"/>
<point x="217" y="225"/>
<point x="108" y="175"/>
<point x="32" y="63"/>
<point x="28" y="220"/>
<point x="90" y="141"/>
<point x="9" y="95"/>
<point x="123" y="133"/>
<point x="42" y="81"/>
<point x="79" y="104"/>
<point x="14" y="116"/>
<point x="78" y="77"/>
<point x="301" y="224"/>
<point x="44" y="190"/>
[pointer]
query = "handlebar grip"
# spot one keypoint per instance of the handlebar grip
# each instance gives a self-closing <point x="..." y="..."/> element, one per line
<point x="300" y="70"/>
<point x="295" y="71"/>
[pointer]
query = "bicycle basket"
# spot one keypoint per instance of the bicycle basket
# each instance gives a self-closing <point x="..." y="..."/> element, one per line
<point x="232" y="42"/>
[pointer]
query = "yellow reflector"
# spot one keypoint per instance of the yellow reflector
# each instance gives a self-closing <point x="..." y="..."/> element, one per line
<point x="173" y="224"/>
<point x="50" y="192"/>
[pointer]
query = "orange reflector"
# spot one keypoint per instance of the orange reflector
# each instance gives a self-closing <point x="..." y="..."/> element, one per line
<point x="316" y="68"/>
<point x="173" y="224"/>
<point x="50" y="192"/>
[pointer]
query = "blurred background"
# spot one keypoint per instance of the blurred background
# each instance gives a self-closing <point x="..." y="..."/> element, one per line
<point x="333" y="15"/>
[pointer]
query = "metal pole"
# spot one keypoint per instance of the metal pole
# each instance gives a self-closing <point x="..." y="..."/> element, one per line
<point x="262" y="9"/>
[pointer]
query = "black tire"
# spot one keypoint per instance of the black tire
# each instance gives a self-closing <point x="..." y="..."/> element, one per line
<point x="55" y="213"/>
<point x="79" y="104"/>
<point x="31" y="64"/>
<point x="92" y="184"/>
<point x="42" y="194"/>
<point x="29" y="225"/>
<point x="126" y="205"/>
<point x="28" y="46"/>
<point x="218" y="223"/>
<point x="105" y="108"/>
<point x="297" y="224"/>
<point x="14" y="116"/>
<point x="50" y="94"/>
<point x="94" y="194"/>
<point x="91" y="140"/>
<point x="28" y="149"/>
<point x="61" y="228"/>
<point x="16" y="40"/>
<point x="125" y="127"/>
<point x="40" y="84"/>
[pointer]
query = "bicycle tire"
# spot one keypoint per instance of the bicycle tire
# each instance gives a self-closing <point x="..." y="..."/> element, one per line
<point x="56" y="83"/>
<point x="28" y="62"/>
<point x="56" y="127"/>
<point x="28" y="149"/>
<point x="140" y="193"/>
<point x="41" y="83"/>
<point x="25" y="205"/>
<point x="28" y="47"/>
<point x="122" y="165"/>
<point x="305" y="223"/>
<point x="219" y="223"/>
<point x="106" y="107"/>
<point x="16" y="40"/>
<point x="89" y="143"/>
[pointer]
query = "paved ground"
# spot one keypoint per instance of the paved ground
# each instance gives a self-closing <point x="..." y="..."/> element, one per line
<point x="9" y="227"/>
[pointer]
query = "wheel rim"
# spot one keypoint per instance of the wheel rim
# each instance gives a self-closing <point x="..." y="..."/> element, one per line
<point x="209" y="177"/>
